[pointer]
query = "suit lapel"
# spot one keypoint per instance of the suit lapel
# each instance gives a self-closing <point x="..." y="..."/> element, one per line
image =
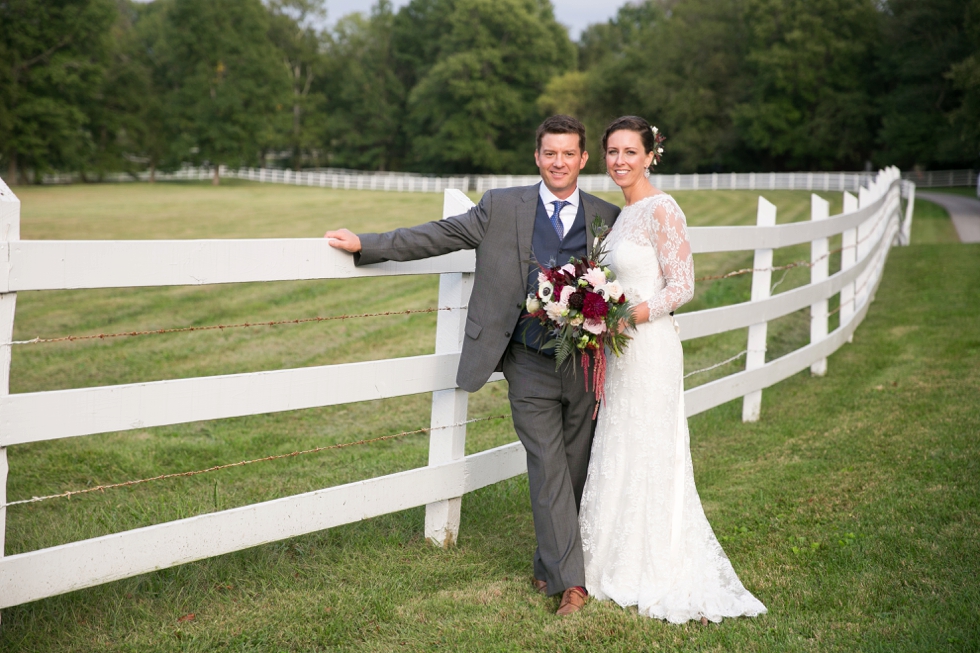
<point x="591" y="206"/>
<point x="526" y="210"/>
<point x="590" y="213"/>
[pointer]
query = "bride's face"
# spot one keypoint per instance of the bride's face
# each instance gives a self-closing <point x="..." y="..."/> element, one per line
<point x="625" y="158"/>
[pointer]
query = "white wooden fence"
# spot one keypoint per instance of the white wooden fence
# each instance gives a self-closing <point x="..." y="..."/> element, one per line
<point x="870" y="224"/>
<point x="409" y="182"/>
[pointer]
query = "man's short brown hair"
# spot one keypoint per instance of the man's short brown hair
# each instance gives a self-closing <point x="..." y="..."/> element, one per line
<point x="561" y="124"/>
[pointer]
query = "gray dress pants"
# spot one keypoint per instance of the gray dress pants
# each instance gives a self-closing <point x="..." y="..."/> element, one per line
<point x="553" y="419"/>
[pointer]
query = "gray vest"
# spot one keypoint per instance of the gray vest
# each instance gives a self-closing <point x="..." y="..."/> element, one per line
<point x="547" y="250"/>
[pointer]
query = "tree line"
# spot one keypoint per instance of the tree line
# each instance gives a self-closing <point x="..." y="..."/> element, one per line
<point x="458" y="86"/>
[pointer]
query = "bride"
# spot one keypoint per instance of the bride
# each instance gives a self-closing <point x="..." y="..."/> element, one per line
<point x="645" y="537"/>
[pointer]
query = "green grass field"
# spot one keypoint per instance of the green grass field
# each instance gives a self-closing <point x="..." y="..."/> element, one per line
<point x="850" y="509"/>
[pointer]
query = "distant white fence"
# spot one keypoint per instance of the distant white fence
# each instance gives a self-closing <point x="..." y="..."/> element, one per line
<point x="409" y="182"/>
<point x="870" y="224"/>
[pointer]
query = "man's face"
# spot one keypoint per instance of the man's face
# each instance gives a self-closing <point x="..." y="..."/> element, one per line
<point x="559" y="159"/>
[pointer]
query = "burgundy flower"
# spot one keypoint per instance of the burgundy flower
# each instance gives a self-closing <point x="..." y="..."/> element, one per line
<point x="594" y="307"/>
<point x="577" y="300"/>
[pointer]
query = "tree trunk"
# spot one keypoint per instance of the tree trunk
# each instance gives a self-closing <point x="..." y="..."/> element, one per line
<point x="153" y="173"/>
<point x="216" y="177"/>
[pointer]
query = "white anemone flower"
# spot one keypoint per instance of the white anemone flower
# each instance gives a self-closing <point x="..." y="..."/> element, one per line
<point x="546" y="291"/>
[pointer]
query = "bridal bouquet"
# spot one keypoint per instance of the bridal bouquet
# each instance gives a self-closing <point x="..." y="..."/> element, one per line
<point x="583" y="307"/>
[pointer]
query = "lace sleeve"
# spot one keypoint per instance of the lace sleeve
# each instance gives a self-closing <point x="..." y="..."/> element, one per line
<point x="667" y="230"/>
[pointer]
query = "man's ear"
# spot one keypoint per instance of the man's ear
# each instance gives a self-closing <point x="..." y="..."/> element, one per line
<point x="585" y="159"/>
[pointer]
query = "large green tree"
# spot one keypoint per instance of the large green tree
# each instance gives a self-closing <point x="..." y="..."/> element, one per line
<point x="53" y="59"/>
<point x="365" y="95"/>
<point x="811" y="64"/>
<point x="927" y="55"/>
<point x="678" y="64"/>
<point x="474" y="109"/>
<point x="293" y="30"/>
<point x="227" y="79"/>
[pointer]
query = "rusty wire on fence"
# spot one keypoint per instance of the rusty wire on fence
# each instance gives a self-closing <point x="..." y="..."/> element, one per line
<point x="100" y="488"/>
<point x="218" y="327"/>
<point x="215" y="327"/>
<point x="794" y="264"/>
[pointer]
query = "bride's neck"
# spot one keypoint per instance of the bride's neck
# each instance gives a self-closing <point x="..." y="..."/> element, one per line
<point x="638" y="191"/>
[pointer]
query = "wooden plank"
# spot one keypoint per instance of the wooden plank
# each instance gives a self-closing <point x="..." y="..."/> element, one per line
<point x="37" y="416"/>
<point x="48" y="572"/>
<point x="761" y="290"/>
<point x="707" y="396"/>
<point x="65" y="264"/>
<point x="9" y="231"/>
<point x="819" y="271"/>
<point x="449" y="406"/>
<point x="733" y="239"/>
<point x="738" y="316"/>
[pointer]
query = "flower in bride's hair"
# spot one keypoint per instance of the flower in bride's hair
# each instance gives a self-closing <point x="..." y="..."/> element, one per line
<point x="653" y="129"/>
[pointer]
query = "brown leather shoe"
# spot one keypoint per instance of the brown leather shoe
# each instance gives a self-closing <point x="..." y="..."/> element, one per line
<point x="572" y="601"/>
<point x="540" y="586"/>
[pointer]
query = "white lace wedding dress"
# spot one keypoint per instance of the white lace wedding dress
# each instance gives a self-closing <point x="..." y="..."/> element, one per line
<point x="646" y="539"/>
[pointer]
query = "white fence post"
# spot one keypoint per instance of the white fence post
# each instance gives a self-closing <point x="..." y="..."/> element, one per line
<point x="909" y="206"/>
<point x="866" y="196"/>
<point x="761" y="289"/>
<point x="848" y="257"/>
<point x="819" y="270"/>
<point x="9" y="231"/>
<point x="449" y="406"/>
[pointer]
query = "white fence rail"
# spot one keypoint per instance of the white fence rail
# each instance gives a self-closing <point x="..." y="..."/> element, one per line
<point x="869" y="225"/>
<point x="409" y="182"/>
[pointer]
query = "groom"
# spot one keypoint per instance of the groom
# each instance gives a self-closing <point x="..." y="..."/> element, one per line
<point x="512" y="229"/>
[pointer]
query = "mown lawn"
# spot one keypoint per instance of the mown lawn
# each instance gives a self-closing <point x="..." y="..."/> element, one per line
<point x="850" y="509"/>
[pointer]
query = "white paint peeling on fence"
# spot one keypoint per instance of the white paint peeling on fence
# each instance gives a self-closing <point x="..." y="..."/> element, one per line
<point x="440" y="485"/>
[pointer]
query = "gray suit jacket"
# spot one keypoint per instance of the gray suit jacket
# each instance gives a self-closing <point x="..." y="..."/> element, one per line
<point x="500" y="229"/>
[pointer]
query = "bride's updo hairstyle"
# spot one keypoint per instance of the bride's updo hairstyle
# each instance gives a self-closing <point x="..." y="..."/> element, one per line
<point x="651" y="139"/>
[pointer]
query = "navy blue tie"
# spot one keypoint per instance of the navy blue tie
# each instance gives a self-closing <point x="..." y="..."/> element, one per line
<point x="556" y="218"/>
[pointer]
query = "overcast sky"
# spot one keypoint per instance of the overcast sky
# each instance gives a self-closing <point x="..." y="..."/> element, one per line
<point x="576" y="14"/>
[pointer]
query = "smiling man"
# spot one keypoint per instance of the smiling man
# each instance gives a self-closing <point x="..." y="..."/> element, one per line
<point x="512" y="229"/>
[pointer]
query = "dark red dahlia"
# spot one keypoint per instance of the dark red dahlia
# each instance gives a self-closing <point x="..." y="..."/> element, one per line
<point x="576" y="300"/>
<point x="594" y="306"/>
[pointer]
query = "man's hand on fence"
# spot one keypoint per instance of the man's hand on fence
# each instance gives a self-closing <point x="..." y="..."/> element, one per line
<point x="344" y="239"/>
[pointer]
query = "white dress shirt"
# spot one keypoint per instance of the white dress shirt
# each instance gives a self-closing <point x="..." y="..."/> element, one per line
<point x="568" y="213"/>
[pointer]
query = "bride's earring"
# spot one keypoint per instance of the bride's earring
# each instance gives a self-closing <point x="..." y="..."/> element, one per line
<point x="646" y="172"/>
